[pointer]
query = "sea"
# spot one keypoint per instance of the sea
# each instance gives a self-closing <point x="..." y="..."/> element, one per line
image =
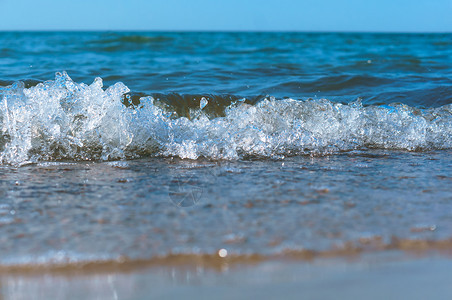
<point x="135" y="148"/>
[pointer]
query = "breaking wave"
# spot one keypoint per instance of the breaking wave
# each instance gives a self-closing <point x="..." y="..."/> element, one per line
<point x="65" y="120"/>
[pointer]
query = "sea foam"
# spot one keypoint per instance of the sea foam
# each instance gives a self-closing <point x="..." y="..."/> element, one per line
<point x="65" y="120"/>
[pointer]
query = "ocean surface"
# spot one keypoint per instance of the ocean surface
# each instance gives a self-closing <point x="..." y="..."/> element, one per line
<point x="137" y="147"/>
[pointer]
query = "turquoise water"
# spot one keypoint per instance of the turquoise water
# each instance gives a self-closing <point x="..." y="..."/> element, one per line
<point x="118" y="146"/>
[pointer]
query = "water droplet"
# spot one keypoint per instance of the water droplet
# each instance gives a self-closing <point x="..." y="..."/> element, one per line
<point x="203" y="102"/>
<point x="223" y="252"/>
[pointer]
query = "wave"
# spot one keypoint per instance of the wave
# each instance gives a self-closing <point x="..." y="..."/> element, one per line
<point x="65" y="120"/>
<point x="136" y="39"/>
<point x="113" y="42"/>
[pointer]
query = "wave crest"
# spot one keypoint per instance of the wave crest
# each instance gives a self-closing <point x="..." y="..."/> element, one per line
<point x="65" y="120"/>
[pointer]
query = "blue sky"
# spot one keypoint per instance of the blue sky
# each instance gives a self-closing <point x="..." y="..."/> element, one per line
<point x="301" y="15"/>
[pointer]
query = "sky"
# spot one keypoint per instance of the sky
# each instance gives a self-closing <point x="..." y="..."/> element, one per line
<point x="228" y="15"/>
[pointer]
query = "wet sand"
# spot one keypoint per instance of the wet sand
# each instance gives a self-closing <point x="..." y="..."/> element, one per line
<point x="381" y="275"/>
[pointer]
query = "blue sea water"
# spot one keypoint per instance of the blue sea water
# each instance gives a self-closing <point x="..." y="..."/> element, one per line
<point x="221" y="95"/>
<point x="379" y="68"/>
<point x="119" y="146"/>
<point x="298" y="86"/>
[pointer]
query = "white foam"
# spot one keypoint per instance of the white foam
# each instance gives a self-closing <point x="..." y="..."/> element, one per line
<point x="62" y="119"/>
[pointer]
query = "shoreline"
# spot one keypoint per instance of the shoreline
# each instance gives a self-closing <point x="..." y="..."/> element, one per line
<point x="404" y="248"/>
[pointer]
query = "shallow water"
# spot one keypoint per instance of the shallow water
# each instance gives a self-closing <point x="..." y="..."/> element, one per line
<point x="222" y="144"/>
<point x="59" y="213"/>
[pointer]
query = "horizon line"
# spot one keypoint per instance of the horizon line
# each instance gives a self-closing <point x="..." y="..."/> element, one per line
<point x="226" y="31"/>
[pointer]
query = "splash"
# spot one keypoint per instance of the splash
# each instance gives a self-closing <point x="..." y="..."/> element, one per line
<point x="65" y="120"/>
